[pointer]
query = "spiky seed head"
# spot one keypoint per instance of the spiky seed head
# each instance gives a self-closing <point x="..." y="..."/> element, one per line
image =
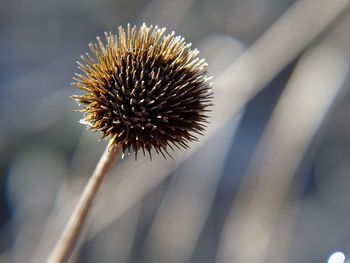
<point x="144" y="90"/>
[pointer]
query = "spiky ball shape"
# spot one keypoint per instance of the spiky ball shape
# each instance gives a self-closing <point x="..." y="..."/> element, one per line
<point x="144" y="90"/>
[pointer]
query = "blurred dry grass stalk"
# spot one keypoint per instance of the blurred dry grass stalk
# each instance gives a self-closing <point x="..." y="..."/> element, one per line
<point x="264" y="189"/>
<point x="293" y="32"/>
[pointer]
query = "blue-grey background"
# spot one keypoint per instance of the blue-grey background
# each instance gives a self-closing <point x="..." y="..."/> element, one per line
<point x="46" y="154"/>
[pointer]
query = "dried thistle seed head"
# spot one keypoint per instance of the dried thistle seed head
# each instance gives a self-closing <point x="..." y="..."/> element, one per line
<point x="144" y="90"/>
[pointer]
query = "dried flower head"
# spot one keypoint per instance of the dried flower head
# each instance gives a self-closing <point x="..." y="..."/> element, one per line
<point x="144" y="90"/>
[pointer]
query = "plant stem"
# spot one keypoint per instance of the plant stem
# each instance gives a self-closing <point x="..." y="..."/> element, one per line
<point x="70" y="234"/>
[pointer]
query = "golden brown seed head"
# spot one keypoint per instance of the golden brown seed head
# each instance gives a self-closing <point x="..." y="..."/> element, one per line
<point x="144" y="90"/>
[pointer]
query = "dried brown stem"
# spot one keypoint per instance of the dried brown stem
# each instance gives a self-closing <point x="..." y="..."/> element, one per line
<point x="69" y="236"/>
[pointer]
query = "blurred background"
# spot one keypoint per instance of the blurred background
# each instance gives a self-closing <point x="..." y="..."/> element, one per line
<point x="270" y="180"/>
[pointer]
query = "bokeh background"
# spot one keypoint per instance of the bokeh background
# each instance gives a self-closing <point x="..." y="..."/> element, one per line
<point x="269" y="182"/>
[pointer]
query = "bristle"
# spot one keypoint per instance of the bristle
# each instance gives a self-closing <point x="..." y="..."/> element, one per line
<point x="144" y="90"/>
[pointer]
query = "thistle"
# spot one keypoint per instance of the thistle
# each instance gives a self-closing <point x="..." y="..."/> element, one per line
<point x="144" y="90"/>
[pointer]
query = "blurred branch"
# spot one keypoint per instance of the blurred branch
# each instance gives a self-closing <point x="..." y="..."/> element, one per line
<point x="278" y="46"/>
<point x="311" y="91"/>
<point x="184" y="211"/>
